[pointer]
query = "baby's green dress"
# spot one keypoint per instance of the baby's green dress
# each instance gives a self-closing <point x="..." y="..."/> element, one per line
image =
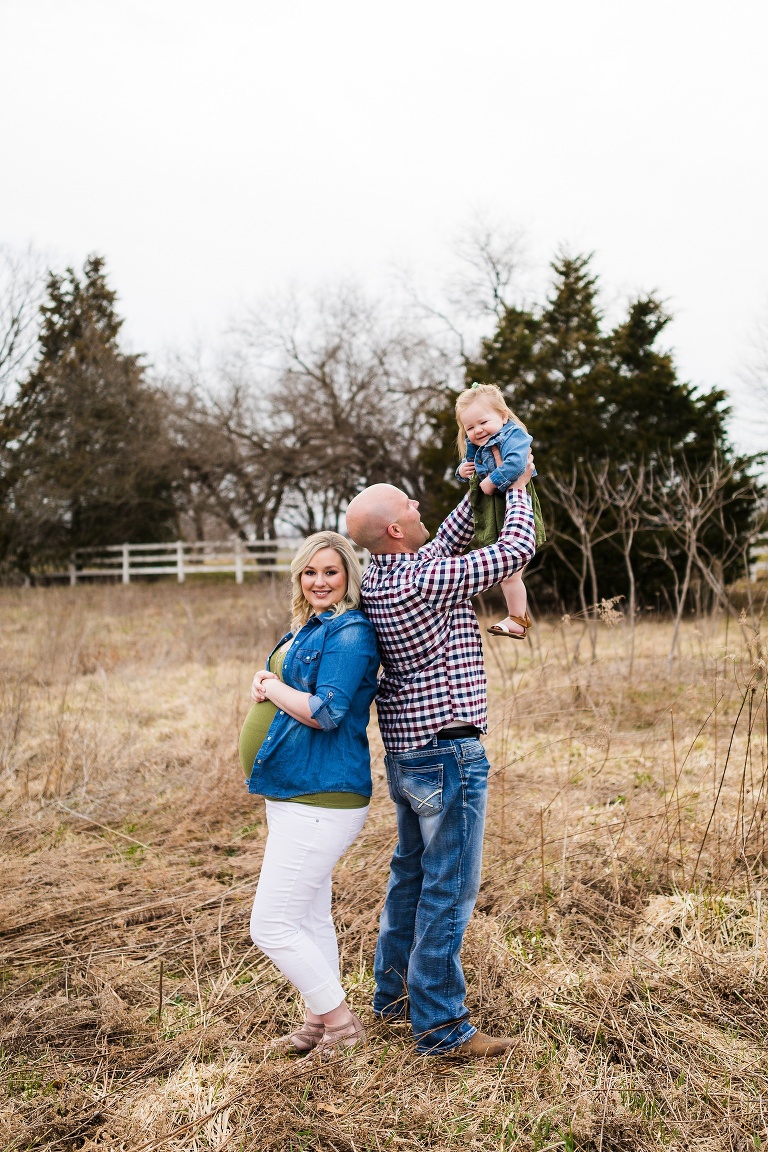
<point x="488" y="513"/>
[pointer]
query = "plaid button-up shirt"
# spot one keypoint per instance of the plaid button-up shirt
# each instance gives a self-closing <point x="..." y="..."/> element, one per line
<point x="426" y="627"/>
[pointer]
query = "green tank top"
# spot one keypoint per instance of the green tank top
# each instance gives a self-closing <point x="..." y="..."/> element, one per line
<point x="254" y="733"/>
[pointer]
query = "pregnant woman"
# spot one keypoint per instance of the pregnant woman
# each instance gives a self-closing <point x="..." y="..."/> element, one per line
<point x="304" y="747"/>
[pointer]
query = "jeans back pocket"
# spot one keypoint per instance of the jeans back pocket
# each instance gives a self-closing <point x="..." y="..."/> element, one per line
<point x="422" y="788"/>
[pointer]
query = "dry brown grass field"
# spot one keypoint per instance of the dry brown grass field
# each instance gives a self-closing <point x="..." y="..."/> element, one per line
<point x="621" y="934"/>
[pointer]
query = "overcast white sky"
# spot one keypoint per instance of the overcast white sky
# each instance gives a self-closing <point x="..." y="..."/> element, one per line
<point x="215" y="152"/>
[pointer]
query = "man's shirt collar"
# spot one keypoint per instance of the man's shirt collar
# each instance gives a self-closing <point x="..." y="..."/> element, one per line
<point x="389" y="559"/>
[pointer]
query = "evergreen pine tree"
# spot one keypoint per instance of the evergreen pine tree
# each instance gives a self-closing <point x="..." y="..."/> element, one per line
<point x="89" y="456"/>
<point x="552" y="366"/>
<point x="647" y="411"/>
<point x="587" y="396"/>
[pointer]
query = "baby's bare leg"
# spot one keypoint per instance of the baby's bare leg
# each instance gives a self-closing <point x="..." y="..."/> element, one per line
<point x="517" y="601"/>
<point x="515" y="595"/>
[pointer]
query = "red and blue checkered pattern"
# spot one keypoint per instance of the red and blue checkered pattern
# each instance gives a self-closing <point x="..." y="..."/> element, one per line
<point x="427" y="631"/>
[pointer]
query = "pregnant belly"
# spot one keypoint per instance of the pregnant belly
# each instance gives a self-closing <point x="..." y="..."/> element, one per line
<point x="254" y="731"/>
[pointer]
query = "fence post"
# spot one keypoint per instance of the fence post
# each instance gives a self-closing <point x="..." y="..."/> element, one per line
<point x="126" y="564"/>
<point x="180" y="561"/>
<point x="72" y="574"/>
<point x="238" y="560"/>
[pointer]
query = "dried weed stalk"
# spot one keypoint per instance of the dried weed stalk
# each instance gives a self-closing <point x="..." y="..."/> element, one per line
<point x="620" y="936"/>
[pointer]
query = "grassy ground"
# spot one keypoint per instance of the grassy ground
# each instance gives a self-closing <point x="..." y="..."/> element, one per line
<point x="621" y="936"/>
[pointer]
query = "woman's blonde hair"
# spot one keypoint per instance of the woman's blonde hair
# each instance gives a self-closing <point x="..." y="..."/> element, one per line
<point x="302" y="609"/>
<point x="489" y="394"/>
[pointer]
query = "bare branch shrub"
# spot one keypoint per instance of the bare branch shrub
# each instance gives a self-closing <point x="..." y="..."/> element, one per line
<point x="625" y="492"/>
<point x="685" y="503"/>
<point x="22" y="285"/>
<point x="584" y="497"/>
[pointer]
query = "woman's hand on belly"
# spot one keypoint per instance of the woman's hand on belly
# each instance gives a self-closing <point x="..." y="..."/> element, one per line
<point x="258" y="691"/>
<point x="290" y="700"/>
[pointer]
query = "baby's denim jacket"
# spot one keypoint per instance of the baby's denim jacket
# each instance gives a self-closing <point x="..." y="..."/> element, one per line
<point x="513" y="443"/>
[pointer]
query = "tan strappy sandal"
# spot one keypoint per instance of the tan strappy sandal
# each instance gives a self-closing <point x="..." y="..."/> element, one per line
<point x="336" y="1041"/>
<point x="300" y="1042"/>
<point x="525" y="623"/>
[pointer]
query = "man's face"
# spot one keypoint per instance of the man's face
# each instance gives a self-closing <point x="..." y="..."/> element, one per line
<point x="409" y="520"/>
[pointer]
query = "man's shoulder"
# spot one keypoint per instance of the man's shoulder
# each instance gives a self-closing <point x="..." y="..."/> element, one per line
<point x="399" y="571"/>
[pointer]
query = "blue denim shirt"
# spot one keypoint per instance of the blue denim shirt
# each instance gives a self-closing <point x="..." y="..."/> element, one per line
<point x="336" y="660"/>
<point x="513" y="443"/>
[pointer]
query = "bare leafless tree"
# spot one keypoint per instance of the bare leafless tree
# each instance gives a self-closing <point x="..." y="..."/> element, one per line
<point x="685" y="504"/>
<point x="625" y="491"/>
<point x="584" y="497"/>
<point x="22" y="286"/>
<point x="316" y="398"/>
<point x="484" y="280"/>
<point x="348" y="399"/>
<point x="490" y="258"/>
<point x="754" y="375"/>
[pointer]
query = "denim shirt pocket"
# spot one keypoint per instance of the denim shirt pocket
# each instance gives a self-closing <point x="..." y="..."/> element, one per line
<point x="304" y="668"/>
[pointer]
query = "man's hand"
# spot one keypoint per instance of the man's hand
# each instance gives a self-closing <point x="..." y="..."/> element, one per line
<point x="525" y="476"/>
<point x="258" y="691"/>
<point x="466" y="469"/>
<point x="487" y="486"/>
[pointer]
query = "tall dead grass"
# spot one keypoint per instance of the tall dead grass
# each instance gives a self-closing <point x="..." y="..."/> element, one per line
<point x="621" y="934"/>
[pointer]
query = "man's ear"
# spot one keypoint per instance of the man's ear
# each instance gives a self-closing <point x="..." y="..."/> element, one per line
<point x="395" y="531"/>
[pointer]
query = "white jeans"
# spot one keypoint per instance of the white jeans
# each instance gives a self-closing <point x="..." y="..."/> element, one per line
<point x="291" y="918"/>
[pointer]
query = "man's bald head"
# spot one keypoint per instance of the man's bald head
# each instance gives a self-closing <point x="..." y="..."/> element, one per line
<point x="383" y="518"/>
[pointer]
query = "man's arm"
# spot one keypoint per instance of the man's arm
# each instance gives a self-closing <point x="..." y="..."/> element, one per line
<point x="454" y="534"/>
<point x="446" y="582"/>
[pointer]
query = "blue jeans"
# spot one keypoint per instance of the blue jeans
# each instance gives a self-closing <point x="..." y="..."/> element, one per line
<point x="440" y="794"/>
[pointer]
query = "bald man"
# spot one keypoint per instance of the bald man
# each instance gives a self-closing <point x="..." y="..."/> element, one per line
<point x="431" y="704"/>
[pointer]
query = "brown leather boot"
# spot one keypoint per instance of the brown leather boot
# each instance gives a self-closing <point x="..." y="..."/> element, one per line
<point x="481" y="1045"/>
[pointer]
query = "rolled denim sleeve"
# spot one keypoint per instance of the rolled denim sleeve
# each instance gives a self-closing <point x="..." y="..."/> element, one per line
<point x="514" y="457"/>
<point x="348" y="656"/>
<point x="320" y="710"/>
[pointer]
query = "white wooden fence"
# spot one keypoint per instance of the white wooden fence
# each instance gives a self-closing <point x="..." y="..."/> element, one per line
<point x="182" y="559"/>
<point x="124" y="562"/>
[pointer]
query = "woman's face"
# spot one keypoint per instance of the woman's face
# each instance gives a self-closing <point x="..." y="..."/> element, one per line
<point x="324" y="580"/>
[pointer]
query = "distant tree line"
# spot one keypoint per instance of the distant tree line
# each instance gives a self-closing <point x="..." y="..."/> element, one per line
<point x="643" y="493"/>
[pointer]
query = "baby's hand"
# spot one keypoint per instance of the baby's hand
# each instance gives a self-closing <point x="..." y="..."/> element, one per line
<point x="487" y="486"/>
<point x="258" y="694"/>
<point x="466" y="469"/>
